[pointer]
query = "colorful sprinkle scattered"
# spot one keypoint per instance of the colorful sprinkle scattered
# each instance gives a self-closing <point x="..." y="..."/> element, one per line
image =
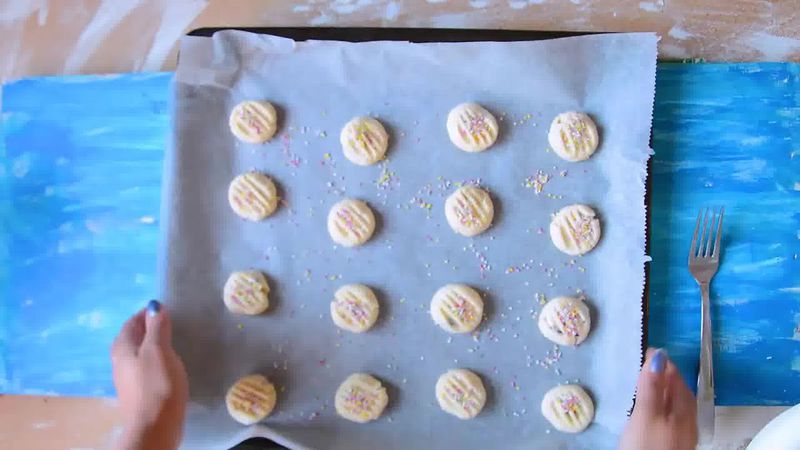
<point x="387" y="178"/>
<point x="550" y="358"/>
<point x="483" y="262"/>
<point x="523" y="120"/>
<point x="291" y="158"/>
<point x="537" y="181"/>
<point x="520" y="268"/>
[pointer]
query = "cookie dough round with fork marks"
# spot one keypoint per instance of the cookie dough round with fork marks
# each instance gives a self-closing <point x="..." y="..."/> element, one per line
<point x="253" y="196"/>
<point x="575" y="229"/>
<point x="471" y="127"/>
<point x="565" y="321"/>
<point x="251" y="399"/>
<point x="246" y="292"/>
<point x="568" y="408"/>
<point x="469" y="211"/>
<point x="573" y="136"/>
<point x="253" y="121"/>
<point x="351" y="222"/>
<point x="354" y="308"/>
<point x="460" y="392"/>
<point x="457" y="308"/>
<point x="361" y="398"/>
<point x="364" y="141"/>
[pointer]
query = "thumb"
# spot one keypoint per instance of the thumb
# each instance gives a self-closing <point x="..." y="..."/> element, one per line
<point x="651" y="389"/>
<point x="158" y="327"/>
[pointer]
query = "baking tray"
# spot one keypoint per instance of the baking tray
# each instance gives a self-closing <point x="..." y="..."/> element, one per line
<point x="421" y="35"/>
<point x="427" y="36"/>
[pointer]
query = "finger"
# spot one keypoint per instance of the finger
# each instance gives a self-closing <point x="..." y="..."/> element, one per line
<point x="652" y="385"/>
<point x="130" y="337"/>
<point x="158" y="326"/>
<point x="681" y="397"/>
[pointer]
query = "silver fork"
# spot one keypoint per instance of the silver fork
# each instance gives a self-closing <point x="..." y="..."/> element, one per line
<point x="703" y="264"/>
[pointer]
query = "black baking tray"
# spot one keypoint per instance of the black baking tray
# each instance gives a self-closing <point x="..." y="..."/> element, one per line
<point x="397" y="34"/>
<point x="422" y="35"/>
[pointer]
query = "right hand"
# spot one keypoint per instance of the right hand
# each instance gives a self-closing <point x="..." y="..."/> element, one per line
<point x="665" y="415"/>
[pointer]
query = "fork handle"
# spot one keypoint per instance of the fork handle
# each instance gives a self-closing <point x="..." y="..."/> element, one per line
<point x="705" y="377"/>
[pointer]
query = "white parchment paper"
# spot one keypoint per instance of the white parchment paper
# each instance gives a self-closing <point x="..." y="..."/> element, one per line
<point x="318" y="87"/>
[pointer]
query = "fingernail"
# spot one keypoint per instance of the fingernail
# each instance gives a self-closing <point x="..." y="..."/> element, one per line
<point x="659" y="361"/>
<point x="153" y="307"/>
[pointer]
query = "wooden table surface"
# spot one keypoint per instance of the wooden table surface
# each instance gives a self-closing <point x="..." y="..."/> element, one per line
<point x="95" y="36"/>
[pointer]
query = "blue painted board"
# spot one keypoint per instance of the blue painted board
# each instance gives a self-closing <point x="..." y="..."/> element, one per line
<point x="729" y="134"/>
<point x="80" y="179"/>
<point x="80" y="175"/>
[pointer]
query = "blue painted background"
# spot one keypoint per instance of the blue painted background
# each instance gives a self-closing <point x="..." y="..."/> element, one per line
<point x="80" y="174"/>
<point x="81" y="179"/>
<point x="729" y="135"/>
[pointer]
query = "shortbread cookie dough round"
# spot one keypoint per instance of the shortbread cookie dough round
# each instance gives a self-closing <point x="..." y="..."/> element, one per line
<point x="253" y="121"/>
<point x="253" y="196"/>
<point x="251" y="399"/>
<point x="469" y="211"/>
<point x="351" y="222"/>
<point x="575" y="229"/>
<point x="457" y="308"/>
<point x="460" y="392"/>
<point x="471" y="127"/>
<point x="246" y="292"/>
<point x="565" y="321"/>
<point x="364" y="141"/>
<point x="354" y="308"/>
<point x="361" y="398"/>
<point x="568" y="408"/>
<point x="573" y="136"/>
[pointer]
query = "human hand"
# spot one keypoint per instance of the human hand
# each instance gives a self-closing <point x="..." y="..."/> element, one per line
<point x="665" y="415"/>
<point x="150" y="380"/>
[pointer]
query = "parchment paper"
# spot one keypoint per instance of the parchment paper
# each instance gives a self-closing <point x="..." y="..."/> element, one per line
<point x="318" y="87"/>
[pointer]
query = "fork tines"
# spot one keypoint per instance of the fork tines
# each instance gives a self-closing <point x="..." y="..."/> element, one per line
<point x="710" y="232"/>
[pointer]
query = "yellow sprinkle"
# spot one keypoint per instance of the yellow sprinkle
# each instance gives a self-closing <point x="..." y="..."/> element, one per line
<point x="327" y="156"/>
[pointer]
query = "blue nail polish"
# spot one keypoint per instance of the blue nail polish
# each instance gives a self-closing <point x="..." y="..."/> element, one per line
<point x="659" y="361"/>
<point x="153" y="307"/>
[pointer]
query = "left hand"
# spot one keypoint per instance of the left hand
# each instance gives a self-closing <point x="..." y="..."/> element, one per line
<point x="150" y="380"/>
